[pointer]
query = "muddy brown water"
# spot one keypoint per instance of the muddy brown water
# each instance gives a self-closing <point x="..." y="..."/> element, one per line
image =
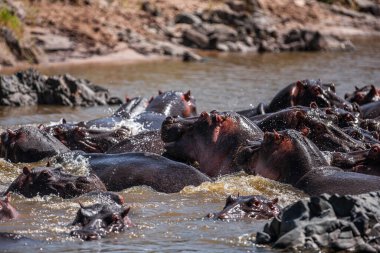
<point x="174" y="222"/>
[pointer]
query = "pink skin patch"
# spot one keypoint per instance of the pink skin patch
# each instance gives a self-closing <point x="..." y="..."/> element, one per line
<point x="7" y="211"/>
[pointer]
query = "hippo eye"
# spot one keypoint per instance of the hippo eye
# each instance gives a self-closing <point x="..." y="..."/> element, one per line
<point x="253" y="202"/>
<point x="229" y="200"/>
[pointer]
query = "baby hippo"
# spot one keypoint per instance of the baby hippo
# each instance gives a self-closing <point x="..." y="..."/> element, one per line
<point x="252" y="206"/>
<point x="45" y="181"/>
<point x="97" y="220"/>
<point x="7" y="211"/>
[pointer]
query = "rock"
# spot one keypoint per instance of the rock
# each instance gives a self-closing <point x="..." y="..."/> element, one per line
<point x="187" y="18"/>
<point x="150" y="8"/>
<point x="327" y="222"/>
<point x="191" y="57"/>
<point x="30" y="88"/>
<point x="193" y="38"/>
<point x="53" y="42"/>
<point x="368" y="7"/>
<point x="220" y="34"/>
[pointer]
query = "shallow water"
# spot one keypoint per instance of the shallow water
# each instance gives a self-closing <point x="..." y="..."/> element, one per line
<point x="173" y="222"/>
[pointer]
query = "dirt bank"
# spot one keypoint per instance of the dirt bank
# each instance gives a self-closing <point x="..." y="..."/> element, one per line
<point x="47" y="31"/>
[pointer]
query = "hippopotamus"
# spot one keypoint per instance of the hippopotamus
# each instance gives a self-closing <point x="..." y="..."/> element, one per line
<point x="364" y="95"/>
<point x="170" y="103"/>
<point x="370" y="110"/>
<point x="366" y="162"/>
<point x="46" y="180"/>
<point x="7" y="211"/>
<point x="143" y="142"/>
<point x="89" y="140"/>
<point x="29" y="144"/>
<point x="97" y="220"/>
<point x="11" y="242"/>
<point x="212" y="140"/>
<point x="125" y="170"/>
<point x="305" y="92"/>
<point x="326" y="136"/>
<point x="129" y="110"/>
<point x="291" y="158"/>
<point x="253" y="206"/>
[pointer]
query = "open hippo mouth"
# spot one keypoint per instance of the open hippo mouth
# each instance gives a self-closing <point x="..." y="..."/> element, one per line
<point x="253" y="206"/>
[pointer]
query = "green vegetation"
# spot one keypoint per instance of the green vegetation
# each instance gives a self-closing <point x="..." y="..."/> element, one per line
<point x="8" y="19"/>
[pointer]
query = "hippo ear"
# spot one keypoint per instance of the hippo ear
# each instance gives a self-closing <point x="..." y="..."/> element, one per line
<point x="356" y="88"/>
<point x="187" y="95"/>
<point x="26" y="171"/>
<point x="160" y="92"/>
<point x="274" y="201"/>
<point x="48" y="164"/>
<point x="277" y="137"/>
<point x="297" y="89"/>
<point x="305" y="131"/>
<point x="7" y="198"/>
<point x="151" y="99"/>
<point x="62" y="121"/>
<point x="373" y="91"/>
<point x="125" y="212"/>
<point x="313" y="105"/>
<point x="11" y="133"/>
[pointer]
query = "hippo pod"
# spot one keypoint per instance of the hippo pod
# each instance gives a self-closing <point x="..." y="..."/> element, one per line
<point x="253" y="206"/>
<point x="29" y="144"/>
<point x="121" y="171"/>
<point x="44" y="181"/>
<point x="212" y="140"/>
<point x="7" y="211"/>
<point x="291" y="158"/>
<point x="97" y="220"/>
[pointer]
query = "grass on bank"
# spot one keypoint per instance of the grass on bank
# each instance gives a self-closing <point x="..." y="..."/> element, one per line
<point x="11" y="21"/>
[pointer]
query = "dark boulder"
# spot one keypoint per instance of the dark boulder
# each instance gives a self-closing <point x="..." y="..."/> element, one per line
<point x="31" y="88"/>
<point x="333" y="222"/>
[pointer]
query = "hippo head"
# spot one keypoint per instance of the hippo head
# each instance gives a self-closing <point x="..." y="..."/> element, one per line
<point x="100" y="219"/>
<point x="212" y="139"/>
<point x="286" y="156"/>
<point x="329" y="137"/>
<point x="364" y="95"/>
<point x="29" y="144"/>
<point x="253" y="206"/>
<point x="7" y="211"/>
<point x="44" y="181"/>
<point x="306" y="92"/>
<point x="173" y="103"/>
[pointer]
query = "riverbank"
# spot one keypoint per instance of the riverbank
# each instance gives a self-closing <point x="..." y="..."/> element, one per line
<point x="82" y="31"/>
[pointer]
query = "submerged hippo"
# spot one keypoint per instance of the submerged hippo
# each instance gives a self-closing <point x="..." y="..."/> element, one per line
<point x="7" y="211"/>
<point x="253" y="206"/>
<point x="143" y="142"/>
<point x="29" y="144"/>
<point x="45" y="180"/>
<point x="291" y="158"/>
<point x="125" y="170"/>
<point x="364" y="95"/>
<point x="326" y="135"/>
<point x="370" y="110"/>
<point x="78" y="137"/>
<point x="170" y="103"/>
<point x="97" y="220"/>
<point x="212" y="140"/>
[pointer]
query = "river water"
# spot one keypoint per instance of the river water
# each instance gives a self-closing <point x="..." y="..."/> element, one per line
<point x="174" y="222"/>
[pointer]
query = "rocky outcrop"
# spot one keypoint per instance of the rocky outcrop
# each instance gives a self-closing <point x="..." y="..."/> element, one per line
<point x="31" y="88"/>
<point x="338" y="223"/>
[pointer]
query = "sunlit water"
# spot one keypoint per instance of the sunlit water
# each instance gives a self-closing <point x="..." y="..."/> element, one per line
<point x="174" y="222"/>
